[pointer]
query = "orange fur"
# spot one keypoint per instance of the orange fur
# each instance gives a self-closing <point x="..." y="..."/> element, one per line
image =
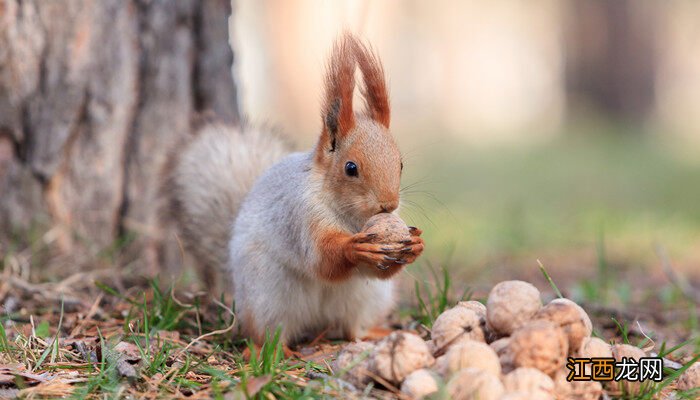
<point x="374" y="89"/>
<point x="334" y="265"/>
<point x="249" y="328"/>
<point x="336" y="113"/>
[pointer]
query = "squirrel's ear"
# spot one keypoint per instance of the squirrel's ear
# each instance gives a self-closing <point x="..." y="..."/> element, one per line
<point x="337" y="114"/>
<point x="374" y="89"/>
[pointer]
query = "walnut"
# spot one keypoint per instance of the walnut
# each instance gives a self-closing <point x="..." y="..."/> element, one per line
<point x="454" y="326"/>
<point x="621" y="351"/>
<point x="516" y="396"/>
<point x="690" y="379"/>
<point x="419" y="383"/>
<point x="593" y="347"/>
<point x="583" y="390"/>
<point x="480" y="310"/>
<point x="399" y="354"/>
<point x="540" y="344"/>
<point x="475" y="306"/>
<point x="570" y="317"/>
<point x="531" y="381"/>
<point x="510" y="305"/>
<point x="390" y="230"/>
<point x="474" y="384"/>
<point x="469" y="354"/>
<point x="352" y="363"/>
<point x="504" y="353"/>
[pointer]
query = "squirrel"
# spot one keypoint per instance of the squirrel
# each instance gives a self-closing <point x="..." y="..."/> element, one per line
<point x="287" y="226"/>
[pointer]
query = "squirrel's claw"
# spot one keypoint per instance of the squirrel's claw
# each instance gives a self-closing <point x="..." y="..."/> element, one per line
<point x="363" y="237"/>
<point x="381" y="256"/>
<point x="414" y="231"/>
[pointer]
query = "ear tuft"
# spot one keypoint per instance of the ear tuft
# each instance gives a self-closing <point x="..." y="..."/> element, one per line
<point x="337" y="114"/>
<point x="332" y="121"/>
<point x="374" y="89"/>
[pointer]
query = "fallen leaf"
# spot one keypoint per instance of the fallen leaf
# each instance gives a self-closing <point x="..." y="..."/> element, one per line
<point x="129" y="352"/>
<point x="169" y="335"/>
<point x="125" y="369"/>
<point x="256" y="384"/>
<point x="9" y="393"/>
<point x="6" y="379"/>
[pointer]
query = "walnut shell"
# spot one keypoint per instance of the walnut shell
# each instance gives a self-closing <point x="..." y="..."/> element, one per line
<point x="420" y="383"/>
<point x="628" y="351"/>
<point x="477" y="307"/>
<point x="583" y="390"/>
<point x="540" y="344"/>
<point x="690" y="379"/>
<point x="454" y="326"/>
<point x="515" y="396"/>
<point x="469" y="354"/>
<point x="353" y="361"/>
<point x="571" y="318"/>
<point x="399" y="354"/>
<point x="480" y="310"/>
<point x="510" y="305"/>
<point x="474" y="384"/>
<point x="534" y="382"/>
<point x="504" y="353"/>
<point x="389" y="228"/>
<point x="594" y="347"/>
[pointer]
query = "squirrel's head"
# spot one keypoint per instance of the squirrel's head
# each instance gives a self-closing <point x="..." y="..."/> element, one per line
<point x="356" y="153"/>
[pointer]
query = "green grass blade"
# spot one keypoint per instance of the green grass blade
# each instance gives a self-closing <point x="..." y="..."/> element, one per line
<point x="549" y="279"/>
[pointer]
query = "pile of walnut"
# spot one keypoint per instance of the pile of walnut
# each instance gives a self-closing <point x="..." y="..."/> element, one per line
<point x="512" y="348"/>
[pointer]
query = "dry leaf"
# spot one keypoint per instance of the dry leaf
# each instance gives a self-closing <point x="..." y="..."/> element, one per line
<point x="256" y="384"/>
<point x="128" y="351"/>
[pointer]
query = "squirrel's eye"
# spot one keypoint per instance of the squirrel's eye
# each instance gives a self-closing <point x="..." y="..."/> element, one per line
<point x="350" y="168"/>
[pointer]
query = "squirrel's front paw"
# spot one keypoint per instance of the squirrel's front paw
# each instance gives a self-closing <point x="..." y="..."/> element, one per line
<point x="361" y="250"/>
<point x="413" y="247"/>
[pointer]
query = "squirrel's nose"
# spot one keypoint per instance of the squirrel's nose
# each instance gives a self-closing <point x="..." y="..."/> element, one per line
<point x="388" y="206"/>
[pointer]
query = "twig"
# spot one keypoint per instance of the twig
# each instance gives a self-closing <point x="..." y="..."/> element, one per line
<point x="89" y="315"/>
<point x="668" y="363"/>
<point x="652" y="344"/>
<point x="212" y="333"/>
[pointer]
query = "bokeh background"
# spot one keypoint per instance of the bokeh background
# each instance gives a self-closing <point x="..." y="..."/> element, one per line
<point x="562" y="131"/>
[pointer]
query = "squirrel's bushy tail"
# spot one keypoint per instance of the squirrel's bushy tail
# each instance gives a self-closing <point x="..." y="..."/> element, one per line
<point x="206" y="180"/>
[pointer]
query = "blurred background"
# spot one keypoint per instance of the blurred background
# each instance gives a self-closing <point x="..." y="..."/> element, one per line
<point x="561" y="131"/>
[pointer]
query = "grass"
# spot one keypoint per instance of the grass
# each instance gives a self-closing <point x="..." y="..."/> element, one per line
<point x="52" y="349"/>
<point x="560" y="196"/>
<point x="550" y="280"/>
<point x="161" y="365"/>
<point x="434" y="295"/>
<point x="105" y="379"/>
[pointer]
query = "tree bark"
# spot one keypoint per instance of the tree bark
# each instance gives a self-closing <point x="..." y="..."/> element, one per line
<point x="93" y="97"/>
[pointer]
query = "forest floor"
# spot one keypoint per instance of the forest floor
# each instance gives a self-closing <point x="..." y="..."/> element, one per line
<point x="615" y="224"/>
<point x="97" y="335"/>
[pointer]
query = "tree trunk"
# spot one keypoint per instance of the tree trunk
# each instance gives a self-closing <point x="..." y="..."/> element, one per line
<point x="93" y="96"/>
<point x="610" y="57"/>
